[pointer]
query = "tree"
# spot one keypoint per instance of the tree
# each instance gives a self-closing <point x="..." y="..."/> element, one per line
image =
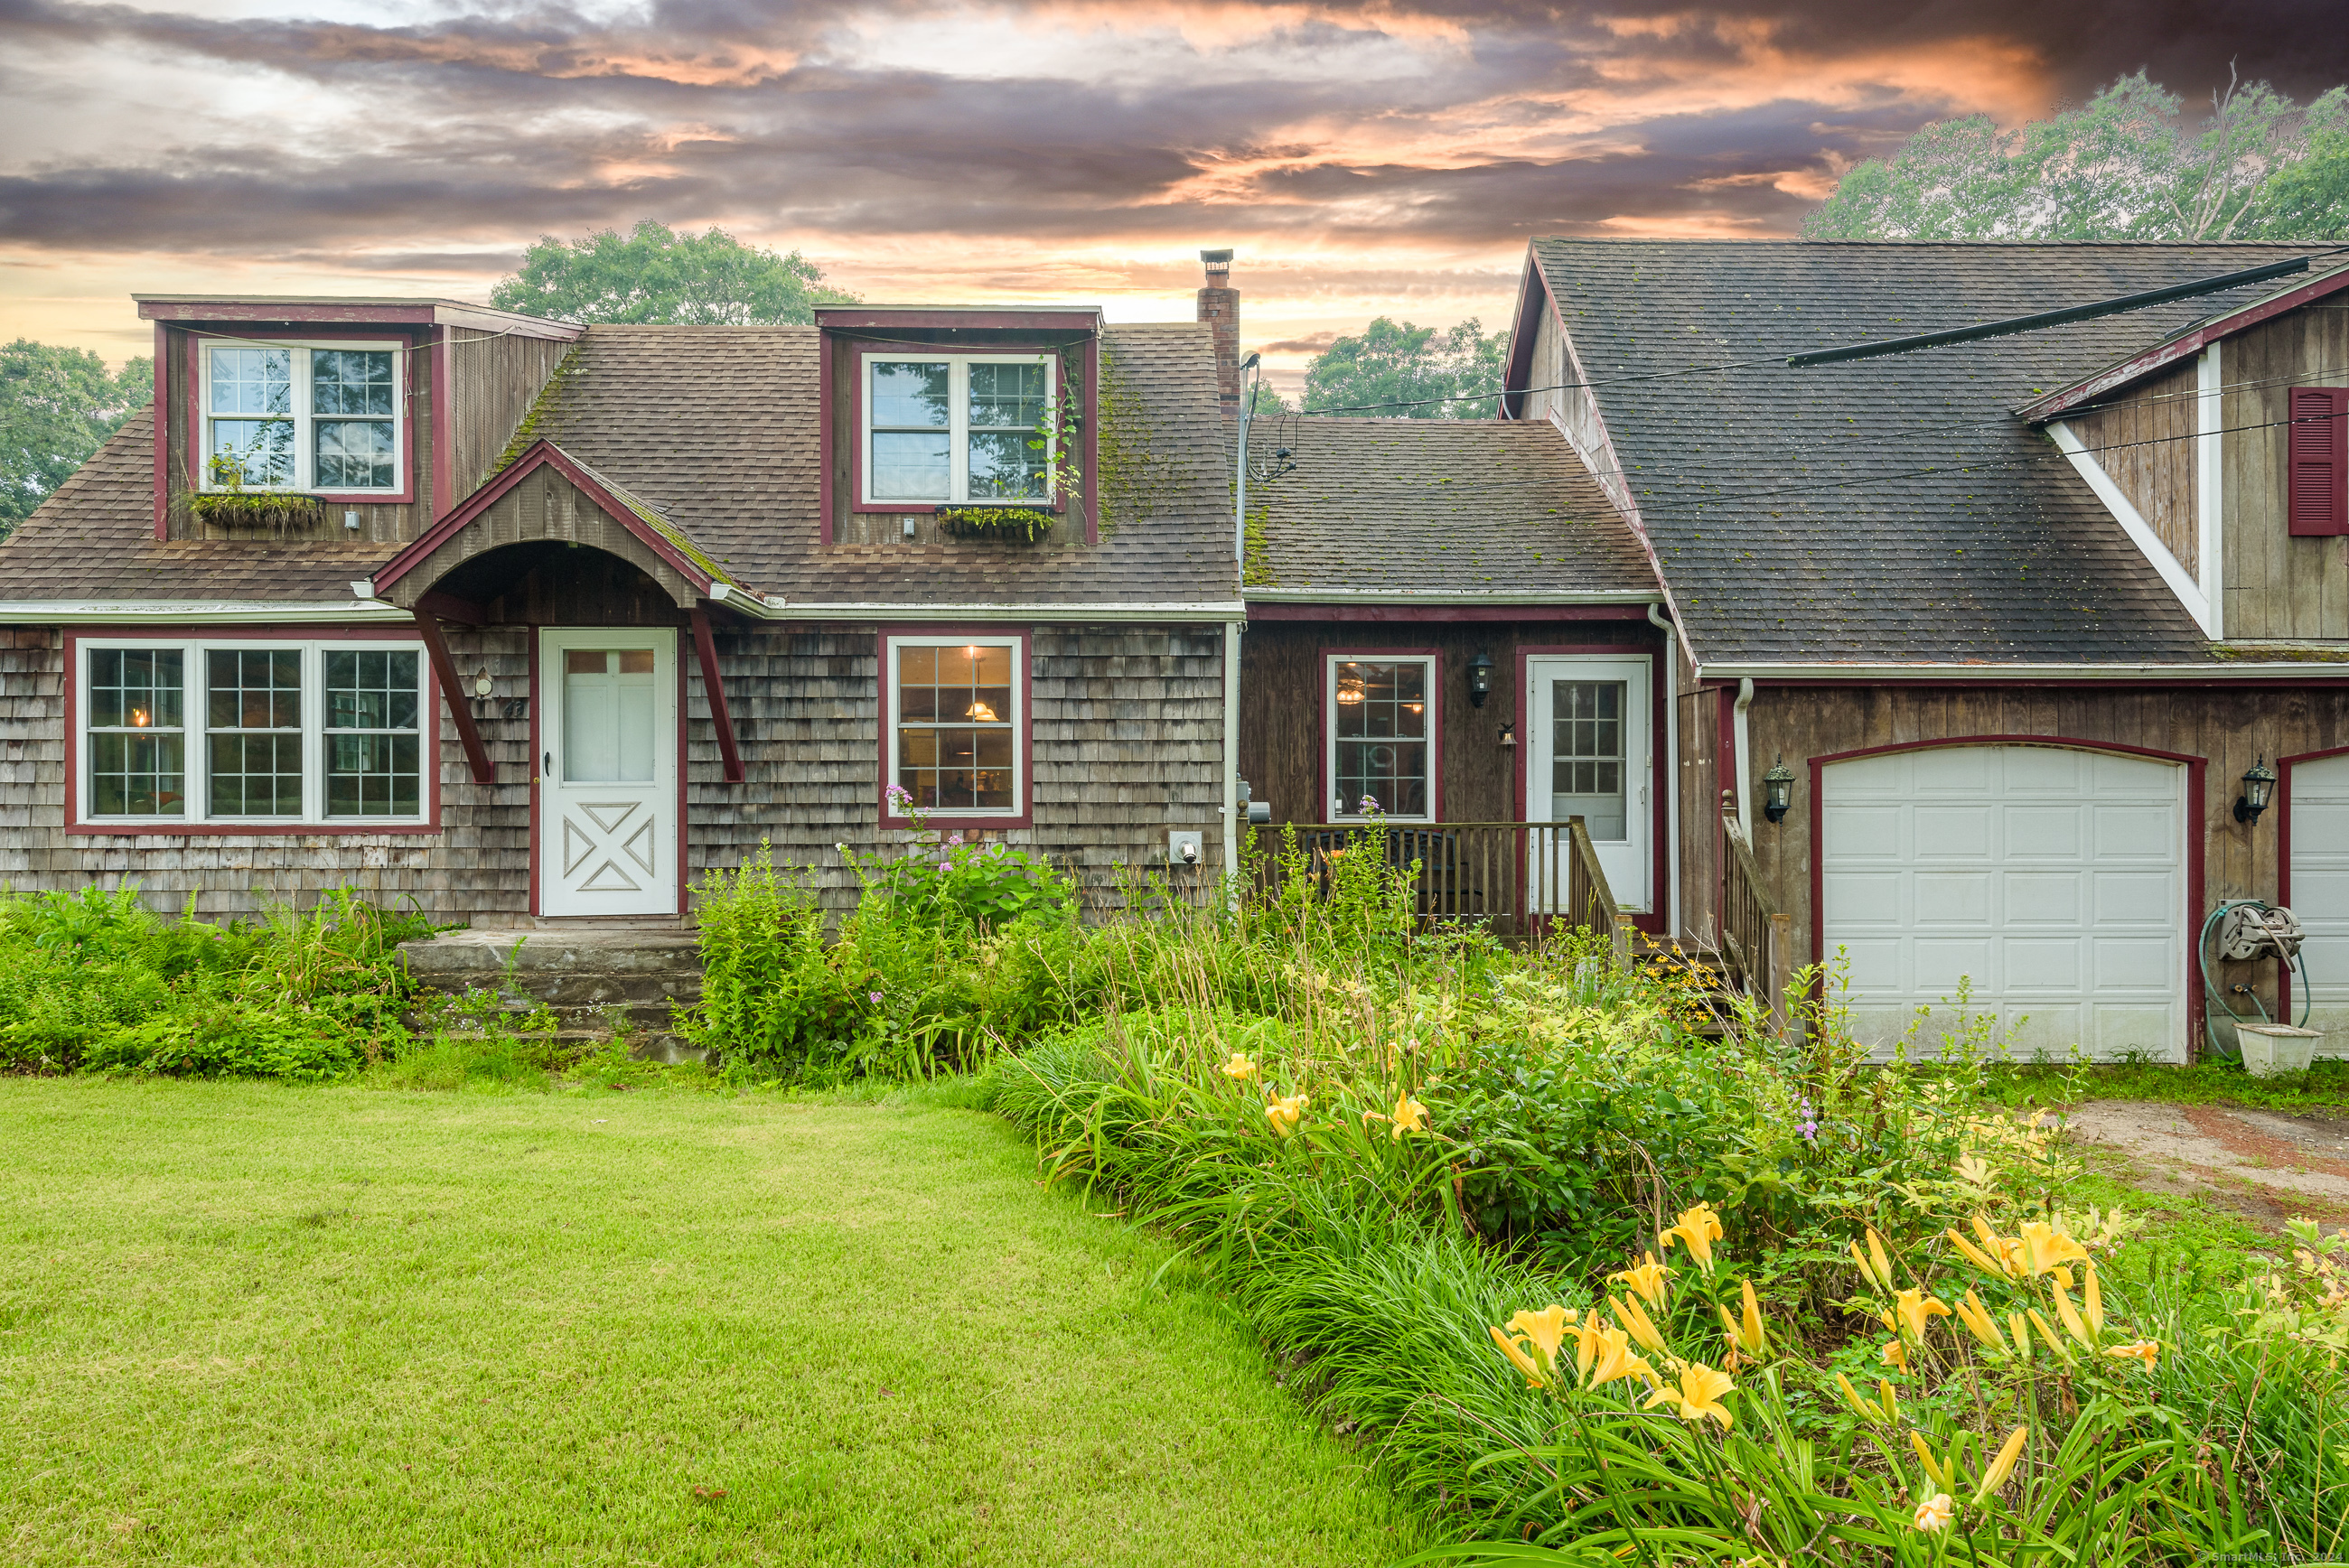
<point x="1399" y="371"/>
<point x="655" y="275"/>
<point x="2123" y="166"/>
<point x="57" y="406"/>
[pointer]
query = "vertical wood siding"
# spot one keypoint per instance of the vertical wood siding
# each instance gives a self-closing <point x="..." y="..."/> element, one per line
<point x="2278" y="586"/>
<point x="2146" y="442"/>
<point x="495" y="380"/>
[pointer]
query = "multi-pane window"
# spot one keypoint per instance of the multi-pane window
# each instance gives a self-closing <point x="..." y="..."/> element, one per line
<point x="957" y="428"/>
<point x="1381" y="741"/>
<point x="954" y="725"/>
<point x="285" y="732"/>
<point x="1586" y="755"/>
<point x="288" y="417"/>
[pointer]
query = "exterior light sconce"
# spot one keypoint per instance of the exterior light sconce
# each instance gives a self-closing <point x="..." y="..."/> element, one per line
<point x="1508" y="738"/>
<point x="482" y="684"/>
<point x="1480" y="678"/>
<point x="1778" y="790"/>
<point x="2258" y="789"/>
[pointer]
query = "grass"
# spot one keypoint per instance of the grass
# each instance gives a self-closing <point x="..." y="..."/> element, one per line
<point x="249" y="1322"/>
<point x="2324" y="1087"/>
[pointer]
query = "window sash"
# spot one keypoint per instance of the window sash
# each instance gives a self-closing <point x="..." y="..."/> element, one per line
<point x="275" y="410"/>
<point x="957" y="431"/>
<point x="1342" y="799"/>
<point x="919" y="742"/>
<point x="249" y="739"/>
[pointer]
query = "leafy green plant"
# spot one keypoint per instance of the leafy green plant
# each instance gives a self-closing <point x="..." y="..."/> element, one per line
<point x="1012" y="524"/>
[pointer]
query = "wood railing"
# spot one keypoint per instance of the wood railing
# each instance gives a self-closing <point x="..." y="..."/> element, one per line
<point x="1756" y="940"/>
<point x="1516" y="877"/>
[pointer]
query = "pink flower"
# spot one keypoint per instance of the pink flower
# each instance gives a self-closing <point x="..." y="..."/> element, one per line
<point x="874" y="997"/>
<point x="954" y="843"/>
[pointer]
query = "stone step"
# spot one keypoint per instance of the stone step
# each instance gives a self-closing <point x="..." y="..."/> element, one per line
<point x="586" y="976"/>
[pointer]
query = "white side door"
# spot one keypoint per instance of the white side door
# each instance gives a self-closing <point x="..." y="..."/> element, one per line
<point x="1589" y="756"/>
<point x="608" y="798"/>
<point x="2319" y="893"/>
<point x="2049" y="882"/>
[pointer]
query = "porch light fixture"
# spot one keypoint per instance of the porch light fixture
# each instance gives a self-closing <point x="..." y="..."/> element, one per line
<point x="482" y="684"/>
<point x="1480" y="678"/>
<point x="2258" y="789"/>
<point x="1778" y="790"/>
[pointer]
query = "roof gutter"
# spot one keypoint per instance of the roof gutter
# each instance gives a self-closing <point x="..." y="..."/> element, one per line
<point x="1441" y="596"/>
<point x="180" y="612"/>
<point x="778" y="608"/>
<point x="2239" y="670"/>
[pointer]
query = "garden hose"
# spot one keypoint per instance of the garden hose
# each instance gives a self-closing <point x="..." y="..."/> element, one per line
<point x="2297" y="963"/>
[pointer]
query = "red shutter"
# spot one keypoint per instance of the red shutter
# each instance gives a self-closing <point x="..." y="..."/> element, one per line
<point x="2318" y="498"/>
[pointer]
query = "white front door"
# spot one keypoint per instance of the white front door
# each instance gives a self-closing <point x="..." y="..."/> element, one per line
<point x="2049" y="882"/>
<point x="608" y="799"/>
<point x="1588" y="756"/>
<point x="2319" y="804"/>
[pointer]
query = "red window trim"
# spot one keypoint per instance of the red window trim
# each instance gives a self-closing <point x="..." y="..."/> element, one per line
<point x="2317" y="439"/>
<point x="79" y="826"/>
<point x="192" y="416"/>
<point x="1325" y="740"/>
<point x="953" y="822"/>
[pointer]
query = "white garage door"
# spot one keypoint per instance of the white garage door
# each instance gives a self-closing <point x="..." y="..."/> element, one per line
<point x="2320" y="892"/>
<point x="2050" y="880"/>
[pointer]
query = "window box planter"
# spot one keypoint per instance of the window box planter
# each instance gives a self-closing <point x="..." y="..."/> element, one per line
<point x="1008" y="524"/>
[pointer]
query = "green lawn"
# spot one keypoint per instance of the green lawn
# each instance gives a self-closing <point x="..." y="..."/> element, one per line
<point x="241" y="1323"/>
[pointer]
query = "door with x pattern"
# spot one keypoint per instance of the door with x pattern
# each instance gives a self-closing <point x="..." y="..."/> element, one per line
<point x="608" y="772"/>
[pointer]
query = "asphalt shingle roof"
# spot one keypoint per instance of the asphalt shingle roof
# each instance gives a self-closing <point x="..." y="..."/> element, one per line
<point x="1884" y="509"/>
<point x="1434" y="506"/>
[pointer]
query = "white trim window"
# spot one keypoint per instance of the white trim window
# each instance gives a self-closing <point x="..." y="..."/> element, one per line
<point x="1378" y="740"/>
<point x="948" y="429"/>
<point x="320" y="417"/>
<point x="252" y="732"/>
<point x="954" y="730"/>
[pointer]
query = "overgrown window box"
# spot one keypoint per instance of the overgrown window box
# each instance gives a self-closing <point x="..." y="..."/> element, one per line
<point x="1007" y="525"/>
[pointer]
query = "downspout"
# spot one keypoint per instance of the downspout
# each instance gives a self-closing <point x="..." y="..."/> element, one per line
<point x="1232" y="752"/>
<point x="1239" y="510"/>
<point x="1671" y="783"/>
<point x="1744" y="701"/>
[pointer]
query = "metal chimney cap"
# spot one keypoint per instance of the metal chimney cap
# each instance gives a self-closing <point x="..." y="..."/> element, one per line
<point x="1216" y="258"/>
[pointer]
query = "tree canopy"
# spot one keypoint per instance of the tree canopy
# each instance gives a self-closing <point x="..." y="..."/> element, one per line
<point x="2126" y="165"/>
<point x="1395" y="370"/>
<point x="57" y="406"/>
<point x="655" y="275"/>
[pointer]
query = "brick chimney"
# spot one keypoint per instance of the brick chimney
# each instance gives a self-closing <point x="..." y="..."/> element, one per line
<point x="1219" y="307"/>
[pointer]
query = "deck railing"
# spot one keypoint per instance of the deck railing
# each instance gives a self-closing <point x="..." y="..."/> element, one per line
<point x="1756" y="940"/>
<point x="1516" y="877"/>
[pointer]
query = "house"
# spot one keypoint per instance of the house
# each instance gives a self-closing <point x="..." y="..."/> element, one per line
<point x="524" y="621"/>
<point x="2009" y="619"/>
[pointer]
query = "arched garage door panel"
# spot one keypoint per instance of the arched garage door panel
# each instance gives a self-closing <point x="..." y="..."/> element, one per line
<point x="2052" y="880"/>
<point x="2320" y="892"/>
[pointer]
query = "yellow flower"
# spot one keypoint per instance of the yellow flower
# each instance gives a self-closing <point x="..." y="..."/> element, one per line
<point x="1544" y="1331"/>
<point x="2095" y="1302"/>
<point x="1699" y="1394"/>
<point x="1612" y="1358"/>
<point x="1874" y="1267"/>
<point x="1894" y="1354"/>
<point x="2145" y="1350"/>
<point x="1409" y="1116"/>
<point x="1975" y="1255"/>
<point x="2044" y="1246"/>
<point x="1867" y="1412"/>
<point x="2063" y="1275"/>
<point x="1518" y="1356"/>
<point x="1933" y="1470"/>
<point x="1699" y="1228"/>
<point x="2072" y="1324"/>
<point x="2022" y="1335"/>
<point x="1648" y="1280"/>
<point x="2048" y="1337"/>
<point x="1240" y="1066"/>
<point x="1977" y="1318"/>
<point x="1916" y="1309"/>
<point x="1935" y="1512"/>
<point x="1286" y="1111"/>
<point x="2003" y="1465"/>
<point x="1636" y="1321"/>
<point x="1746" y="1335"/>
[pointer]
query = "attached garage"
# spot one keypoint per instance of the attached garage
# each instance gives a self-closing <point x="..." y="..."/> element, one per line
<point x="2050" y="880"/>
<point x="2317" y="803"/>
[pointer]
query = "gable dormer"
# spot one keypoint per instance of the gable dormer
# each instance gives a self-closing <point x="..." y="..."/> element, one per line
<point x="959" y="424"/>
<point x="2223" y="451"/>
<point x="333" y="418"/>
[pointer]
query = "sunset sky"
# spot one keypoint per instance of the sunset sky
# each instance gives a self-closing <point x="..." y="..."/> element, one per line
<point x="1363" y="160"/>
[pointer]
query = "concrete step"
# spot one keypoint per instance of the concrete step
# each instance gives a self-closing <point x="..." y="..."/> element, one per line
<point x="588" y="977"/>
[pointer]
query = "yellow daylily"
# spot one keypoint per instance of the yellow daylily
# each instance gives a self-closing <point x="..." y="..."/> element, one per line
<point x="1916" y="1309"/>
<point x="1517" y="1357"/>
<point x="2145" y="1350"/>
<point x="1884" y="1391"/>
<point x="1935" y="1512"/>
<point x="2022" y="1335"/>
<point x="1286" y="1111"/>
<point x="1894" y="1354"/>
<point x="1975" y="1255"/>
<point x="2003" y="1465"/>
<point x="2048" y="1335"/>
<point x="1977" y="1318"/>
<point x="1699" y="1394"/>
<point x="2071" y="1318"/>
<point x="1933" y="1468"/>
<point x="2092" y="1303"/>
<point x="1874" y="1267"/>
<point x="1636" y="1321"/>
<point x="1612" y="1358"/>
<point x="1698" y="1229"/>
<point x="1648" y="1280"/>
<point x="2044" y="1246"/>
<point x="1867" y="1409"/>
<point x="1241" y="1065"/>
<point x="1409" y="1116"/>
<point x="1746" y="1335"/>
<point x="1544" y="1331"/>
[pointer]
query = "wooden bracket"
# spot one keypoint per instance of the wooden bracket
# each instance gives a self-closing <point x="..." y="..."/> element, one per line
<point x="705" y="647"/>
<point x="444" y="668"/>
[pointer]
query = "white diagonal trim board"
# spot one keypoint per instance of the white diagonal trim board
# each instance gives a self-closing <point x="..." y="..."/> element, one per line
<point x="2181" y="581"/>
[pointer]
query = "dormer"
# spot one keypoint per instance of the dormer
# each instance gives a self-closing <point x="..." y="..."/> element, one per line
<point x="334" y="418"/>
<point x="959" y="424"/>
<point x="2223" y="452"/>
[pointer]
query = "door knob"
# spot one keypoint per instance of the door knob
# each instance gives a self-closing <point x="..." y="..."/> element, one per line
<point x="547" y="770"/>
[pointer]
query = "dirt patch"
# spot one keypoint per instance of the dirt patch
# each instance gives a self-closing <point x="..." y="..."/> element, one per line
<point x="2265" y="1165"/>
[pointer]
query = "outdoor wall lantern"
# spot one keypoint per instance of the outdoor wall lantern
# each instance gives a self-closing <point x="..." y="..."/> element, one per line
<point x="2258" y="789"/>
<point x="1480" y="678"/>
<point x="1778" y="790"/>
